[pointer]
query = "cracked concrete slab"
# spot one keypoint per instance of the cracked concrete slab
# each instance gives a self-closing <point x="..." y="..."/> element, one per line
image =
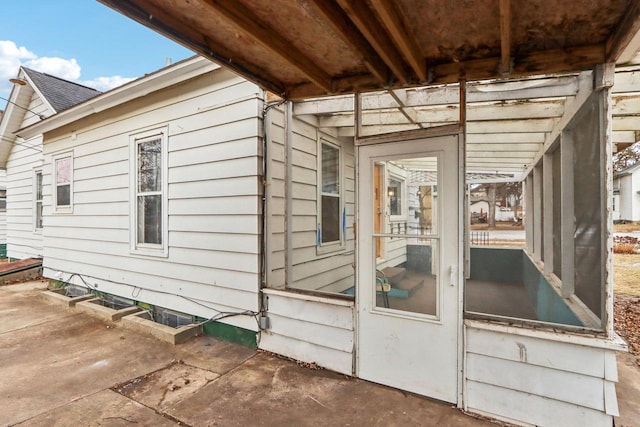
<point x="166" y="387"/>
<point x="58" y="366"/>
<point x="269" y="391"/>
<point x="105" y="408"/>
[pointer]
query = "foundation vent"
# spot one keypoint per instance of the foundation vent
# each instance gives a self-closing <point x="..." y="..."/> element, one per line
<point x="116" y="302"/>
<point x="172" y="318"/>
<point x="74" y="291"/>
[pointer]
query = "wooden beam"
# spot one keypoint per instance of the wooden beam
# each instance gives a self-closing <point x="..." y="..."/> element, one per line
<point x="571" y="108"/>
<point x="337" y="19"/>
<point x="505" y="37"/>
<point x="624" y="43"/>
<point x="546" y="63"/>
<point x="270" y="38"/>
<point x="375" y="34"/>
<point x="166" y="24"/>
<point x="401" y="35"/>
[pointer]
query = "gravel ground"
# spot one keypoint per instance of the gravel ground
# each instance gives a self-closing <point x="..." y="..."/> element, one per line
<point x="627" y="322"/>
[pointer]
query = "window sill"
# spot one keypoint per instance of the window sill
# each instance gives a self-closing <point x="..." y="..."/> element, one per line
<point x="331" y="248"/>
<point x="150" y="252"/>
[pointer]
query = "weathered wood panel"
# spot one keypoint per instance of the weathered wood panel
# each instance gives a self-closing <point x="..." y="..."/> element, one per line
<point x="311" y="329"/>
<point x="539" y="381"/>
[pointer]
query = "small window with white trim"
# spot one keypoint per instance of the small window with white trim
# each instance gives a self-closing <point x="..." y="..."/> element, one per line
<point x="37" y="200"/>
<point x="149" y="216"/>
<point x="395" y="192"/>
<point x="63" y="183"/>
<point x="330" y="203"/>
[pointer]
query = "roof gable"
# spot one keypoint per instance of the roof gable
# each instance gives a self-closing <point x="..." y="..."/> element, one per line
<point x="59" y="93"/>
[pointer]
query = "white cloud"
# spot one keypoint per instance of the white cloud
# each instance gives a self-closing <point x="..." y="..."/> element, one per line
<point x="67" y="69"/>
<point x="13" y="56"/>
<point x="106" y="83"/>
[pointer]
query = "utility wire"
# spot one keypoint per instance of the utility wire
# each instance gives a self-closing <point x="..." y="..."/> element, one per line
<point x="22" y="144"/>
<point x="38" y="115"/>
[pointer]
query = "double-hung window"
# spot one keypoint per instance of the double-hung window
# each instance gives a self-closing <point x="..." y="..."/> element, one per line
<point x="149" y="224"/>
<point x="63" y="183"/>
<point x="37" y="208"/>
<point x="330" y="210"/>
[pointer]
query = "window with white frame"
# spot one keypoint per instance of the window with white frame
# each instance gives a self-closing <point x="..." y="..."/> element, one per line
<point x="37" y="190"/>
<point x="149" y="193"/>
<point x="395" y="190"/>
<point x="3" y="200"/>
<point x="330" y="200"/>
<point x="63" y="183"/>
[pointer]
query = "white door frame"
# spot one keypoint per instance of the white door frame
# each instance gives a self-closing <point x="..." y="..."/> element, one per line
<point x="460" y="197"/>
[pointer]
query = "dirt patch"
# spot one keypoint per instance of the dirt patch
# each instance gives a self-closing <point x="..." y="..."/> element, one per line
<point x="627" y="322"/>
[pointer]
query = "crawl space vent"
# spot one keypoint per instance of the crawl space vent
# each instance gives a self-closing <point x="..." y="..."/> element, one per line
<point x="116" y="302"/>
<point x="73" y="291"/>
<point x="172" y="318"/>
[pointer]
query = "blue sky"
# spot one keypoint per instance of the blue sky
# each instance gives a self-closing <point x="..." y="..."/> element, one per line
<point x="80" y="40"/>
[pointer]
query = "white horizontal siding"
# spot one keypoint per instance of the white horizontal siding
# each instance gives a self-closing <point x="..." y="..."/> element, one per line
<point x="213" y="205"/>
<point x="536" y="381"/>
<point x="275" y="199"/>
<point x="22" y="239"/>
<point x="310" y="329"/>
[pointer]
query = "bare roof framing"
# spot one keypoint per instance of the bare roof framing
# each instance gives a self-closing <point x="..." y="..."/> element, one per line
<point x="509" y="123"/>
<point x="308" y="48"/>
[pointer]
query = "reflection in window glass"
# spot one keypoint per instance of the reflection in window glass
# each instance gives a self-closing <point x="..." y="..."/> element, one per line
<point x="330" y="218"/>
<point x="149" y="191"/>
<point x="63" y="181"/>
<point x="38" y="200"/>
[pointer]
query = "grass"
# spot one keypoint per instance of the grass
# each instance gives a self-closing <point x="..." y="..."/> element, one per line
<point x="626" y="228"/>
<point x="626" y="272"/>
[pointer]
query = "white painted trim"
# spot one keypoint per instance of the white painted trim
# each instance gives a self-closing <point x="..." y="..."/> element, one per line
<point x="307" y="297"/>
<point x="547" y="213"/>
<point x="54" y="176"/>
<point x="139" y="88"/>
<point x="338" y="245"/>
<point x="34" y="182"/>
<point x="615" y="343"/>
<point x="161" y="250"/>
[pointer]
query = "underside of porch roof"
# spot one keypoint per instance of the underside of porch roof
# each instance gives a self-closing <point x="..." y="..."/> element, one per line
<point x="507" y="123"/>
<point x="309" y="48"/>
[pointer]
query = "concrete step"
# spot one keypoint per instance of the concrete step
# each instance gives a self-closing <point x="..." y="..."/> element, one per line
<point x="406" y="287"/>
<point x="394" y="274"/>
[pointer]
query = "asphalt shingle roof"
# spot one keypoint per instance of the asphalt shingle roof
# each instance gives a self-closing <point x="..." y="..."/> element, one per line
<point x="60" y="93"/>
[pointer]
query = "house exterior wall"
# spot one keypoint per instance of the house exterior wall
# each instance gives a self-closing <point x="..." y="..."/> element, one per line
<point x="312" y="269"/>
<point x="212" y="264"/>
<point x="629" y="198"/>
<point x="23" y="240"/>
<point x="312" y="329"/>
<point x="540" y="379"/>
<point x="3" y="213"/>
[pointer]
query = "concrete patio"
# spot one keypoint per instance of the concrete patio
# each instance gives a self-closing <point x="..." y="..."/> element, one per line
<point x="62" y="367"/>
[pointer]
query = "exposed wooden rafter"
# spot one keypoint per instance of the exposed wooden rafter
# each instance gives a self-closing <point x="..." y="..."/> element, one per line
<point x="505" y="36"/>
<point x="339" y="21"/>
<point x="531" y="64"/>
<point x="160" y="20"/>
<point x="375" y="34"/>
<point x="270" y="38"/>
<point x="401" y="35"/>
<point x="624" y="43"/>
